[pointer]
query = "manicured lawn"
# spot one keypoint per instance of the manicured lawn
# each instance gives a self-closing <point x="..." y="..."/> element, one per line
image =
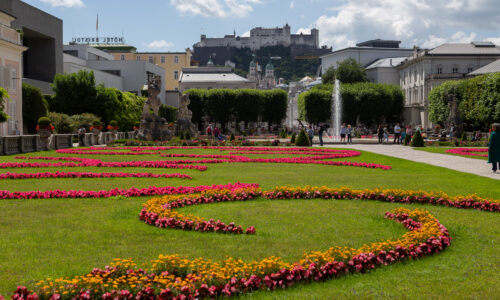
<point x="68" y="237"/>
<point x="442" y="150"/>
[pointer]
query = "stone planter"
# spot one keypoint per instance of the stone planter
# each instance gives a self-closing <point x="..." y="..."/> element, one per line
<point x="95" y="136"/>
<point x="45" y="138"/>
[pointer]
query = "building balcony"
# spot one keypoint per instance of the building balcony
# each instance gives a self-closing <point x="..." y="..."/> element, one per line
<point x="10" y="35"/>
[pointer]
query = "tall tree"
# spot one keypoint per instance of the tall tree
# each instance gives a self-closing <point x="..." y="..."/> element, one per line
<point x="329" y="75"/>
<point x="350" y="71"/>
<point x="34" y="106"/>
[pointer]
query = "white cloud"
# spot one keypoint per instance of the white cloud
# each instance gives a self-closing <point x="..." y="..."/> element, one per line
<point x="246" y="34"/>
<point x="64" y="3"/>
<point x="422" y="22"/>
<point x="304" y="31"/>
<point x="215" y="8"/>
<point x="292" y="5"/>
<point x="494" y="40"/>
<point x="160" y="44"/>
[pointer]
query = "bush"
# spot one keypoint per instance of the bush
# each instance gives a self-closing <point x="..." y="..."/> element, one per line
<point x="417" y="140"/>
<point x="187" y="135"/>
<point x="181" y="136"/>
<point x="113" y="123"/>
<point x="34" y="106"/>
<point x="44" y="121"/>
<point x="292" y="140"/>
<point x="464" y="136"/>
<point x="62" y="122"/>
<point x="3" y="95"/>
<point x="85" y="120"/>
<point x="303" y="139"/>
<point x="168" y="112"/>
<point x="407" y="140"/>
<point x="232" y="138"/>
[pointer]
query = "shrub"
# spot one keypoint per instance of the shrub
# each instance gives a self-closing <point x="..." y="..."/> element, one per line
<point x="168" y="112"/>
<point x="44" y="121"/>
<point x="34" y="106"/>
<point x="113" y="123"/>
<point x="407" y="140"/>
<point x="181" y="136"/>
<point x="292" y="140"/>
<point x="85" y="120"/>
<point x="464" y="136"/>
<point x="96" y="123"/>
<point x="3" y="95"/>
<point x="232" y="138"/>
<point x="302" y="139"/>
<point x="417" y="140"/>
<point x="187" y="135"/>
<point x="62" y="122"/>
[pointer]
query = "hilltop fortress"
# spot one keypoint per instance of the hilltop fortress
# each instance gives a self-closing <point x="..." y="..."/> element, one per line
<point x="263" y="37"/>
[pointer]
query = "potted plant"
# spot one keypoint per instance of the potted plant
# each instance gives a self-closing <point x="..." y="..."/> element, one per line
<point x="44" y="129"/>
<point x="113" y="126"/>
<point x="96" y="127"/>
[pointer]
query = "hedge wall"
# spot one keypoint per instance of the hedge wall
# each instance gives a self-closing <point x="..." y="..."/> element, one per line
<point x="478" y="98"/>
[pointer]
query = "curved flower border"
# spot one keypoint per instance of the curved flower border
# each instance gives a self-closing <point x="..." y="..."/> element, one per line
<point x="482" y="152"/>
<point x="45" y="175"/>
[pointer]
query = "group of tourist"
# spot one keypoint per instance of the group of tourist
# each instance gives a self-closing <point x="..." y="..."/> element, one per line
<point x="213" y="132"/>
<point x="399" y="132"/>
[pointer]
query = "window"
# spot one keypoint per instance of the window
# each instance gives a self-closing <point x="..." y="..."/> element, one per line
<point x="455" y="70"/>
<point x="138" y="57"/>
<point x="440" y="70"/>
<point x="163" y="59"/>
<point x="151" y="59"/>
<point x="122" y="57"/>
<point x="176" y="59"/>
<point x="470" y="69"/>
<point x="13" y="79"/>
<point x="176" y="75"/>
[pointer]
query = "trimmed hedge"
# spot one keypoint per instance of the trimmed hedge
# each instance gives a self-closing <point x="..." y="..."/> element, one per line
<point x="34" y="107"/>
<point x="302" y="139"/>
<point x="168" y="112"/>
<point x="478" y="101"/>
<point x="417" y="140"/>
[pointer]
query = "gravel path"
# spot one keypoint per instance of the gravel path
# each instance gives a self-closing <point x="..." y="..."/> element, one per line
<point x="457" y="163"/>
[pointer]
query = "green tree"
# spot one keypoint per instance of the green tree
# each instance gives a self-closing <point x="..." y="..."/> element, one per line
<point x="168" y="112"/>
<point x="75" y="93"/>
<point x="274" y="106"/>
<point x="315" y="106"/>
<point x="302" y="139"/>
<point x="350" y="71"/>
<point x="62" y="122"/>
<point x="34" y="107"/>
<point x="247" y="105"/>
<point x="197" y="105"/>
<point x="219" y="105"/>
<point x="3" y="96"/>
<point x="329" y="75"/>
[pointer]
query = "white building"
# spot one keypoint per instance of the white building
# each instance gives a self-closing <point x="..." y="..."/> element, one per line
<point x="76" y="58"/>
<point x="263" y="37"/>
<point x="426" y="69"/>
<point x="494" y="67"/>
<point x="383" y="70"/>
<point x="125" y="75"/>
<point x="365" y="53"/>
<point x="212" y="78"/>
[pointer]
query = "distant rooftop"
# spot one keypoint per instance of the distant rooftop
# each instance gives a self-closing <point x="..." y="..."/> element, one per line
<point x="474" y="48"/>
<point x="386" y="62"/>
<point x="494" y="67"/>
<point x="207" y="70"/>
<point x="379" y="43"/>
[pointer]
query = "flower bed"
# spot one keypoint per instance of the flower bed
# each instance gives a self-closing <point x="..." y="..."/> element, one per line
<point x="482" y="152"/>
<point x="178" y="277"/>
<point x="45" y="175"/>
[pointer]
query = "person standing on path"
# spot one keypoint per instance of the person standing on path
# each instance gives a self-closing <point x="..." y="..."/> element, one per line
<point x="397" y="134"/>
<point x="343" y="132"/>
<point x="349" y="134"/>
<point x="494" y="148"/>
<point x="209" y="131"/>
<point x="320" y="134"/>
<point x="380" y="134"/>
<point x="310" y="134"/>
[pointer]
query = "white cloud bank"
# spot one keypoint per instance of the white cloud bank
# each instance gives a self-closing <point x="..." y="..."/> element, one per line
<point x="425" y="23"/>
<point x="160" y="44"/>
<point x="215" y="8"/>
<point x="64" y="3"/>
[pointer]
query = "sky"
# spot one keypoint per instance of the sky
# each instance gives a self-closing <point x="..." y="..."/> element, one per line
<point x="174" y="25"/>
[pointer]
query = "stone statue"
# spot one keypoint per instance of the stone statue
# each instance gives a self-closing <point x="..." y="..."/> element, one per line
<point x="454" y="118"/>
<point x="153" y="127"/>
<point x="184" y="116"/>
<point x="153" y="103"/>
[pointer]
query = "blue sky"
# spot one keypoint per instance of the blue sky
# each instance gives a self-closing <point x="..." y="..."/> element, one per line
<point x="173" y="25"/>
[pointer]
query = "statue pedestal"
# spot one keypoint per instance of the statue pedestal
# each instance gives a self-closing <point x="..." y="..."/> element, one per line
<point x="45" y="139"/>
<point x="154" y="128"/>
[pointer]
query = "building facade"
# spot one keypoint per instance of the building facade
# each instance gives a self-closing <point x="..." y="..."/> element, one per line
<point x="426" y="69"/>
<point x="76" y="59"/>
<point x="42" y="34"/>
<point x="171" y="62"/>
<point x="263" y="37"/>
<point x="384" y="70"/>
<point x="365" y="53"/>
<point x="212" y="78"/>
<point x="11" y="73"/>
<point x="266" y="81"/>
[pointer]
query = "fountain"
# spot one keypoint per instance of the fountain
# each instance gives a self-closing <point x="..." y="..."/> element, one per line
<point x="336" y="111"/>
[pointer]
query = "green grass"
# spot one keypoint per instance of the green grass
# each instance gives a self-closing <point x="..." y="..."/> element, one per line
<point x="442" y="150"/>
<point x="68" y="237"/>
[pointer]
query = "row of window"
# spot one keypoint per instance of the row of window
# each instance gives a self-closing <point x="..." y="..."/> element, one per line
<point x="163" y="59"/>
<point x="454" y="69"/>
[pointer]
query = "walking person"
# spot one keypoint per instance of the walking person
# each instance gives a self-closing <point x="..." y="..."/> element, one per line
<point x="380" y="134"/>
<point x="216" y="132"/>
<point x="386" y="135"/>
<point x="343" y="132"/>
<point x="349" y="134"/>
<point x="320" y="134"/>
<point x="310" y="134"/>
<point x="81" y="136"/>
<point x="209" y="131"/>
<point x="494" y="148"/>
<point x="409" y="131"/>
<point x="397" y="134"/>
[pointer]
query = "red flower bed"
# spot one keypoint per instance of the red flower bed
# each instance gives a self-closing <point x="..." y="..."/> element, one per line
<point x="483" y="152"/>
<point x="44" y="175"/>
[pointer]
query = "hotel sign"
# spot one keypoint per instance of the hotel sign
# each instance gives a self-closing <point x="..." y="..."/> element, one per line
<point x="99" y="40"/>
